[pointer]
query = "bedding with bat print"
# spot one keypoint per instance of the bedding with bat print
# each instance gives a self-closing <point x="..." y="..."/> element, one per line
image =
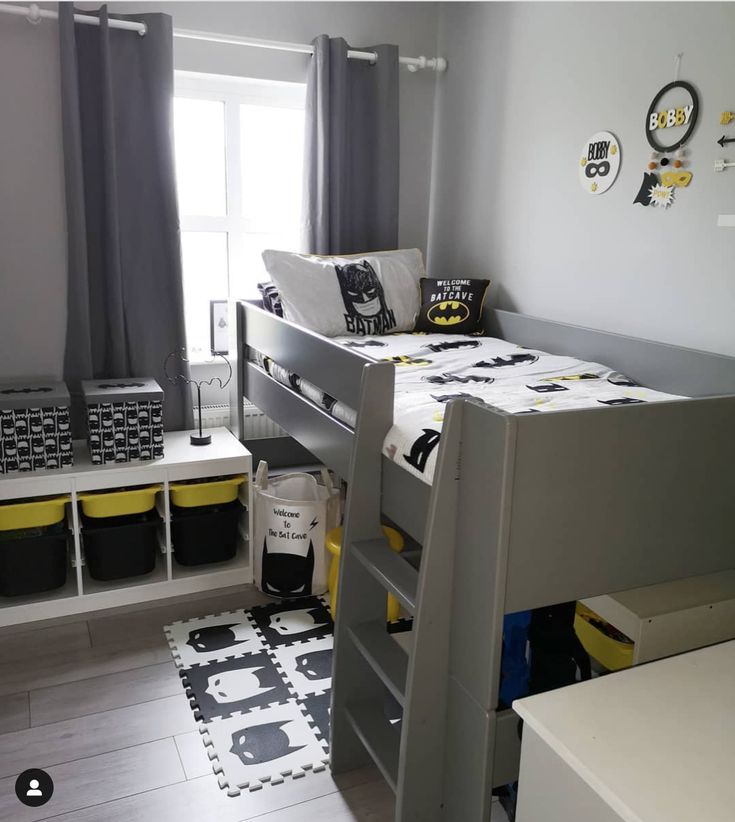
<point x="432" y="369"/>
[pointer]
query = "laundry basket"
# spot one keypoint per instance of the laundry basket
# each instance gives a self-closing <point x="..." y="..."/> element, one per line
<point x="292" y="514"/>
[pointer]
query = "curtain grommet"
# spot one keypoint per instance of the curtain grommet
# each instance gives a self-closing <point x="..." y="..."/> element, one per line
<point x="34" y="14"/>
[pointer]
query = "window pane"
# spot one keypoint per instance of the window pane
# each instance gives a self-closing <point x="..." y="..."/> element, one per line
<point x="244" y="282"/>
<point x="272" y="148"/>
<point x="204" y="257"/>
<point x="199" y="128"/>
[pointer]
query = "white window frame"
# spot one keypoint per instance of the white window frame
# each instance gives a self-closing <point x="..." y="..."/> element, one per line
<point x="234" y="91"/>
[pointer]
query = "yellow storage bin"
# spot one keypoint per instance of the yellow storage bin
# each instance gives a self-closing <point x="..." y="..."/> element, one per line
<point x="333" y="541"/>
<point x="209" y="492"/>
<point x="36" y="513"/>
<point x="120" y="503"/>
<point x="608" y="651"/>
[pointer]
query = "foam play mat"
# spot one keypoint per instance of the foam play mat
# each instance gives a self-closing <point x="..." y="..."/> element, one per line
<point x="259" y="682"/>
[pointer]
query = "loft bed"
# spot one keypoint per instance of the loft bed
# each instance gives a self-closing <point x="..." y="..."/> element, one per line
<point x="524" y="511"/>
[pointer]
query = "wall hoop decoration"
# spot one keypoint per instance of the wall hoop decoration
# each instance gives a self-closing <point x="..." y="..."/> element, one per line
<point x="680" y="116"/>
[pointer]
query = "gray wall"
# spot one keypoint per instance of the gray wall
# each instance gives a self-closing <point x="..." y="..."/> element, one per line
<point x="528" y="83"/>
<point x="32" y="229"/>
<point x="32" y="243"/>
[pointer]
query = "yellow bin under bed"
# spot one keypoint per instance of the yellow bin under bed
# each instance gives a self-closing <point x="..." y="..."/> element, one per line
<point x="119" y="503"/>
<point x="194" y="494"/>
<point x="36" y="513"/>
<point x="608" y="651"/>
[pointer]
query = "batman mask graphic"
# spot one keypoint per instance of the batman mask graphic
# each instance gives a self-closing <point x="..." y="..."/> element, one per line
<point x="644" y="193"/>
<point x="287" y="574"/>
<point x="366" y="311"/>
<point x="315" y="665"/>
<point x="291" y="623"/>
<point x="213" y="638"/>
<point x="237" y="685"/>
<point x="263" y="743"/>
<point x="448" y="312"/>
<point x="422" y="448"/>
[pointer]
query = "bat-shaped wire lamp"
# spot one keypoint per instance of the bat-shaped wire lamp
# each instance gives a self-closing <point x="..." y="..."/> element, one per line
<point x="179" y="356"/>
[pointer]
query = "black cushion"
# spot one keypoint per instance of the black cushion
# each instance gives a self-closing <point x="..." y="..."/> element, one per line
<point x="451" y="306"/>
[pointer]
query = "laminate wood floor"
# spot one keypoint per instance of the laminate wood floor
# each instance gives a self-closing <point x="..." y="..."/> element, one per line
<point x="98" y="704"/>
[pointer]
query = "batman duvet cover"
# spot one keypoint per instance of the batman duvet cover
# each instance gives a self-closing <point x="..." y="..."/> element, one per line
<point x="432" y="369"/>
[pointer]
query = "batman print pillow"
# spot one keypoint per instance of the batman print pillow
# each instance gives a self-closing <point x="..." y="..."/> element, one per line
<point x="451" y="306"/>
<point x="373" y="293"/>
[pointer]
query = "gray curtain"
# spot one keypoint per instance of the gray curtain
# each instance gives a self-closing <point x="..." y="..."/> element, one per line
<point x="125" y="299"/>
<point x="351" y="161"/>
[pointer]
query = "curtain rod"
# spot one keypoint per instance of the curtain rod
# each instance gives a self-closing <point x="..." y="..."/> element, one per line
<point x="34" y="14"/>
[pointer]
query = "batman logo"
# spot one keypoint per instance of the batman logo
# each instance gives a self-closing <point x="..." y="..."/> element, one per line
<point x="25" y="390"/>
<point x="448" y="312"/>
<point x="213" y="638"/>
<point x="620" y="379"/>
<point x="572" y="377"/>
<point x="315" y="665"/>
<point x="448" y="397"/>
<point x="365" y="344"/>
<point x="448" y="377"/>
<point x="404" y="359"/>
<point x="257" y="744"/>
<point x="621" y="401"/>
<point x="547" y="389"/>
<point x="437" y="348"/>
<point x="513" y="359"/>
<point x="121" y="385"/>
<point x="422" y="448"/>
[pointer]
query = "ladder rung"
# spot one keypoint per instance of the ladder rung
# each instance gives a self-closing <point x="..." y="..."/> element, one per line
<point x="385" y="655"/>
<point x="392" y="572"/>
<point x="381" y="740"/>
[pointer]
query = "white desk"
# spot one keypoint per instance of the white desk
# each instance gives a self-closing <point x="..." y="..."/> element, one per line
<point x="654" y="743"/>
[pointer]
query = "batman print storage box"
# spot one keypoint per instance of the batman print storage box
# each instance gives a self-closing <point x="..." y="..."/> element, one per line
<point x="35" y="430"/>
<point x="124" y="419"/>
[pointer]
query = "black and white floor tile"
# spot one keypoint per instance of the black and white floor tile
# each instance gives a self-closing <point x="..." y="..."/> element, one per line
<point x="259" y="684"/>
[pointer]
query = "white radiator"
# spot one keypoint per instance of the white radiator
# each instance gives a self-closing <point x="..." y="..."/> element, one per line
<point x="255" y="423"/>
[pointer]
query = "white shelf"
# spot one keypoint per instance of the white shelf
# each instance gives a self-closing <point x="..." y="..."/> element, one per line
<point x="96" y="586"/>
<point x="232" y="568"/>
<point x="67" y="592"/>
<point x="81" y="594"/>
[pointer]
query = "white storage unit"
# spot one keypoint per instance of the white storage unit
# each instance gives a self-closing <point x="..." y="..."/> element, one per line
<point x="673" y="617"/>
<point x="182" y="461"/>
<point x="655" y="743"/>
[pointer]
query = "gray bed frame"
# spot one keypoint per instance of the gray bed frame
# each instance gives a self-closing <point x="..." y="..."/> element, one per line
<point x="524" y="511"/>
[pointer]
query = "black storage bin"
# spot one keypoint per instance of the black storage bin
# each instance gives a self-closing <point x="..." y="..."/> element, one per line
<point x="206" y="534"/>
<point x="117" y="547"/>
<point x="32" y="560"/>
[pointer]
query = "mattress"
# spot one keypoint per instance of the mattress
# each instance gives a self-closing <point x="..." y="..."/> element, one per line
<point x="432" y="369"/>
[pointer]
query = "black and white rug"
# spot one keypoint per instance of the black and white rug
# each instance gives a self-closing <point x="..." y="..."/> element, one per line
<point x="259" y="683"/>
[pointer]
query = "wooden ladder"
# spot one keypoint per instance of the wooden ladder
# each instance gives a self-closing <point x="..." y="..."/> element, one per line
<point x="369" y="663"/>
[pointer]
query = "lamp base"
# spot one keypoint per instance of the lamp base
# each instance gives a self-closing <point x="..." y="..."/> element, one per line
<point x="200" y="439"/>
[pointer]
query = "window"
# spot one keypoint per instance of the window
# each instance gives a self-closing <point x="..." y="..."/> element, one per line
<point x="239" y="157"/>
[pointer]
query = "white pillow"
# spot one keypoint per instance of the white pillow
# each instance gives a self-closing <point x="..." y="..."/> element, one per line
<point x="372" y="293"/>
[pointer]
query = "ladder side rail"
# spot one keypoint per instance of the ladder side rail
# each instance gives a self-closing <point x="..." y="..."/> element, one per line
<point x="421" y="758"/>
<point x="484" y="494"/>
<point x="361" y="597"/>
